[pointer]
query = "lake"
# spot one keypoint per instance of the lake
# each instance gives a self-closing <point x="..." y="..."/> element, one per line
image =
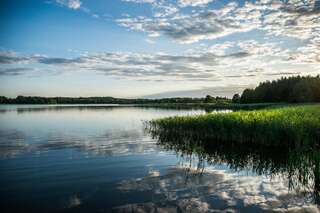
<point x="100" y="158"/>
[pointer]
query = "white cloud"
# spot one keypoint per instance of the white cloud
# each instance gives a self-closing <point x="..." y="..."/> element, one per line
<point x="140" y="1"/>
<point x="294" y="18"/>
<point x="160" y="8"/>
<point x="72" y="4"/>
<point x="185" y="3"/>
<point x="199" y="25"/>
<point x="190" y="28"/>
<point x="150" y="41"/>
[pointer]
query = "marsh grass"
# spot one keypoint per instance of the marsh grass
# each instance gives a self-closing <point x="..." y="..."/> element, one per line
<point x="293" y="125"/>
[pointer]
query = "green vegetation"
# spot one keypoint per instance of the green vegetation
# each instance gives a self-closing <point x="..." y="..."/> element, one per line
<point x="210" y="107"/>
<point x="291" y="90"/>
<point x="273" y="126"/>
<point x="109" y="100"/>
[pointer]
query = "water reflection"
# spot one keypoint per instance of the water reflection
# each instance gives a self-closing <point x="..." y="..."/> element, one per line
<point x="47" y="108"/>
<point x="70" y="158"/>
<point x="94" y="159"/>
<point x="183" y="189"/>
<point x="91" y="129"/>
<point x="12" y="143"/>
<point x="299" y="166"/>
<point x="115" y="142"/>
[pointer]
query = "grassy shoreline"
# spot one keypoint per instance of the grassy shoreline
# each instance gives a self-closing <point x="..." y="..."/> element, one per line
<point x="272" y="126"/>
<point x="212" y="106"/>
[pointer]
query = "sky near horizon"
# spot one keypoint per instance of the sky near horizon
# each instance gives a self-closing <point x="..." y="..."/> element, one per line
<point x="154" y="48"/>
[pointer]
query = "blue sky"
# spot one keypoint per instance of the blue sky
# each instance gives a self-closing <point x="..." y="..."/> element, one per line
<point x="154" y="48"/>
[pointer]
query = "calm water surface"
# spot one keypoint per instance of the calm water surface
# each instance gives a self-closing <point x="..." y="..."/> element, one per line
<point x="100" y="159"/>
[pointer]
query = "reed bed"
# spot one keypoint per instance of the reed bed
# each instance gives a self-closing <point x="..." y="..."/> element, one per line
<point x="298" y="125"/>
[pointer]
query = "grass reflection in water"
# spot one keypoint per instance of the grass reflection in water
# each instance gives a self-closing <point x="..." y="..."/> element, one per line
<point x="298" y="163"/>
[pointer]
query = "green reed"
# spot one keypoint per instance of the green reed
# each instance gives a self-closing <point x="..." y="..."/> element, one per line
<point x="298" y="125"/>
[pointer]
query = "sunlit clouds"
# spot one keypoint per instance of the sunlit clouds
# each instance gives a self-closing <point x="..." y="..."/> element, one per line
<point x="217" y="62"/>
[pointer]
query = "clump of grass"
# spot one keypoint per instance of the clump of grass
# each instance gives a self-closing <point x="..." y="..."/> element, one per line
<point x="298" y="125"/>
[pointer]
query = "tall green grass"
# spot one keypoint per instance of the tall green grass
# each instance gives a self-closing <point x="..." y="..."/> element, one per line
<point x="298" y="125"/>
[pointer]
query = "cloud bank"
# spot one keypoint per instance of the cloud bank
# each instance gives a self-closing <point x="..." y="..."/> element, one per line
<point x="292" y="18"/>
<point x="212" y="63"/>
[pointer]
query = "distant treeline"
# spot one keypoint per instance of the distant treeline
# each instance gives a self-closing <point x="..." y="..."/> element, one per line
<point x="291" y="90"/>
<point x="296" y="89"/>
<point x="107" y="100"/>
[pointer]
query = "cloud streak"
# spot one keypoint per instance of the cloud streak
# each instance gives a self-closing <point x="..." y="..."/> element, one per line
<point x="14" y="71"/>
<point x="193" y="3"/>
<point x="132" y="65"/>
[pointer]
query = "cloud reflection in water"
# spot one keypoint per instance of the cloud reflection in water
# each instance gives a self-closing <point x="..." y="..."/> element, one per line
<point x="213" y="190"/>
<point x="112" y="142"/>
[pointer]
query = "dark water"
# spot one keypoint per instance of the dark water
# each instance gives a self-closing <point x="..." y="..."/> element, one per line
<point x="100" y="159"/>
